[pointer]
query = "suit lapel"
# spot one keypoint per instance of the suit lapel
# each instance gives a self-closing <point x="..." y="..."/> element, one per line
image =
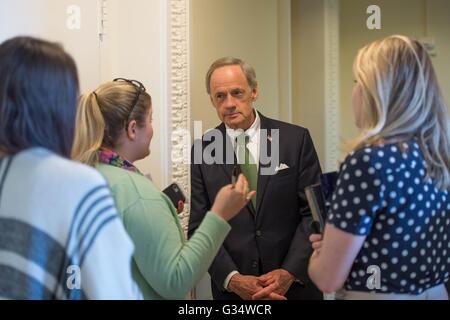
<point x="226" y="166"/>
<point x="263" y="180"/>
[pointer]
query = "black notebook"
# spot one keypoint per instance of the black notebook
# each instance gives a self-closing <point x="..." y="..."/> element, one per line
<point x="319" y="198"/>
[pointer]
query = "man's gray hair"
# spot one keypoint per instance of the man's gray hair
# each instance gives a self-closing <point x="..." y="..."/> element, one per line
<point x="248" y="70"/>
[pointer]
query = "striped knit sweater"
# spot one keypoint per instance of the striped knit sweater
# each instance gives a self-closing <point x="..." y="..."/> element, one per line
<point x="60" y="237"/>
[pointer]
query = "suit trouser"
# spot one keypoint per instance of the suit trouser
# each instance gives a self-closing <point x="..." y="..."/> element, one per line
<point x="435" y="293"/>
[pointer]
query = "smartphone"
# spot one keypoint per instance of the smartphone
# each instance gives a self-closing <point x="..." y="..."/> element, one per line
<point x="319" y="197"/>
<point x="175" y="194"/>
<point x="316" y="203"/>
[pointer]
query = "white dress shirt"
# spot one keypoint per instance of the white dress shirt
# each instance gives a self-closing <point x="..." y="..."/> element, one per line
<point x="254" y="136"/>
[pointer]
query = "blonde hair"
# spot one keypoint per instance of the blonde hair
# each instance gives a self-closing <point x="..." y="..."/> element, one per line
<point x="103" y="115"/>
<point x="401" y="100"/>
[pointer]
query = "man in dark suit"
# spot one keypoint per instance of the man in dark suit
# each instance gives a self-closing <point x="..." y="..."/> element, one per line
<point x="268" y="245"/>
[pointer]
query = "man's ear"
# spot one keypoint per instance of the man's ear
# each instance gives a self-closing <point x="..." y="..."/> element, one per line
<point x="255" y="94"/>
<point x="131" y="130"/>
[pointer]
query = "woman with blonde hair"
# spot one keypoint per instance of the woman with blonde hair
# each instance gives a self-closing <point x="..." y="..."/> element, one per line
<point x="387" y="234"/>
<point x="114" y="129"/>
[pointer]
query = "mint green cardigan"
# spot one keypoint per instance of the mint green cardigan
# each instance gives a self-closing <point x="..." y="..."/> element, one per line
<point x="165" y="264"/>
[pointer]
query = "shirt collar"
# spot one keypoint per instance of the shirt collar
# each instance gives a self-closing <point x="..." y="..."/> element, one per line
<point x="250" y="132"/>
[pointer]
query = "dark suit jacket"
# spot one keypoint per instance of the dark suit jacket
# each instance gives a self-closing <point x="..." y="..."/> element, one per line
<point x="275" y="235"/>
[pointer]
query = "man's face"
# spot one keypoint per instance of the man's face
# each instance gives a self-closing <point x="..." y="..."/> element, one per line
<point x="232" y="97"/>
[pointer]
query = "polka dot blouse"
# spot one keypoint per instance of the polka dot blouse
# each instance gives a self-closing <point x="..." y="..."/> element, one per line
<point x="383" y="193"/>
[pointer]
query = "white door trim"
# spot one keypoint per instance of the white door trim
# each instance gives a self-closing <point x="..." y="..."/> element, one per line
<point x="178" y="135"/>
<point x="332" y="85"/>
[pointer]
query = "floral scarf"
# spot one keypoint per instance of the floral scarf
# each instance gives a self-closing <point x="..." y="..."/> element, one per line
<point x="114" y="159"/>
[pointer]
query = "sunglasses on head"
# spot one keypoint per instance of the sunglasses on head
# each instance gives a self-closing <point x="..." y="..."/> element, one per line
<point x="139" y="90"/>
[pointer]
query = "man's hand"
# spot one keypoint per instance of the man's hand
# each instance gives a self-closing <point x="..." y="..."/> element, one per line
<point x="268" y="293"/>
<point x="247" y="286"/>
<point x="244" y="286"/>
<point x="275" y="282"/>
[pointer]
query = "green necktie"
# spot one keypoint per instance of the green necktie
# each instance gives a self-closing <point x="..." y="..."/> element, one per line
<point x="247" y="164"/>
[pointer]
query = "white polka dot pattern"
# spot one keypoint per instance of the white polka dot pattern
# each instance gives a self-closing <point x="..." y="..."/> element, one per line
<point x="384" y="194"/>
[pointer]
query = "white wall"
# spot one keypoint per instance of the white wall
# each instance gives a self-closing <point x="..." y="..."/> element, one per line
<point x="47" y="19"/>
<point x="134" y="47"/>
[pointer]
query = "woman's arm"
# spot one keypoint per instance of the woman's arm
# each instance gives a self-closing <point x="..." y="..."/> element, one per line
<point x="330" y="264"/>
<point x="169" y="264"/>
